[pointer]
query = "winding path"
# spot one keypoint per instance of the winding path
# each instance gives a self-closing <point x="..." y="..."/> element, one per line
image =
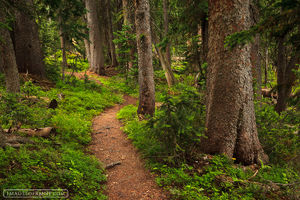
<point x="129" y="180"/>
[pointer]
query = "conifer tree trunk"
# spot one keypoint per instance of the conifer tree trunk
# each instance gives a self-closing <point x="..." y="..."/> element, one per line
<point x="112" y="48"/>
<point x="254" y="54"/>
<point x="28" y="49"/>
<point x="204" y="37"/>
<point x="8" y="58"/>
<point x="230" y="119"/>
<point x="285" y="75"/>
<point x="165" y="57"/>
<point x="266" y="66"/>
<point x="87" y="50"/>
<point x="87" y="44"/>
<point x="64" y="63"/>
<point x="96" y="45"/>
<point x="129" y="21"/>
<point x="144" y="46"/>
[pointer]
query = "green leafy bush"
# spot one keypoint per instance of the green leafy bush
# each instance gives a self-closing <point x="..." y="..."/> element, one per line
<point x="278" y="133"/>
<point x="179" y="124"/>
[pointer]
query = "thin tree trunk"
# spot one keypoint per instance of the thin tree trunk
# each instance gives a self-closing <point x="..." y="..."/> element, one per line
<point x="64" y="63"/>
<point x="204" y="36"/>
<point x="254" y="54"/>
<point x="285" y="75"/>
<point x="281" y="68"/>
<point x="112" y="48"/>
<point x="144" y="46"/>
<point x="130" y="21"/>
<point x="230" y="120"/>
<point x="166" y="30"/>
<point x="87" y="45"/>
<point x="28" y="49"/>
<point x="87" y="50"/>
<point x="96" y="45"/>
<point x="165" y="57"/>
<point x="166" y="67"/>
<point x="164" y="62"/>
<point x="266" y="66"/>
<point x="8" y="58"/>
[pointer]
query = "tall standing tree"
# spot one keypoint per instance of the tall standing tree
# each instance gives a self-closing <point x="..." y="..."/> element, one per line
<point x="96" y="41"/>
<point x="26" y="40"/>
<point x="230" y="119"/>
<point x="164" y="52"/>
<point x="112" y="49"/>
<point x="129" y="20"/>
<point x="7" y="55"/>
<point x="254" y="52"/>
<point x="144" y="46"/>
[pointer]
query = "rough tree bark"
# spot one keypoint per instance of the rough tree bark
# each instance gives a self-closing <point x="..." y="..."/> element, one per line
<point x="28" y="49"/>
<point x="144" y="46"/>
<point x="96" y="43"/>
<point x="230" y="119"/>
<point x="8" y="58"/>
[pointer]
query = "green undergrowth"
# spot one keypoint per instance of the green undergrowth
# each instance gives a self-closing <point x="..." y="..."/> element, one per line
<point x="119" y="84"/>
<point x="169" y="143"/>
<point x="62" y="159"/>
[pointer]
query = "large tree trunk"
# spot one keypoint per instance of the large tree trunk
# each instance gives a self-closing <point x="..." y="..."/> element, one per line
<point x="8" y="58"/>
<point x="129" y="21"/>
<point x="28" y="49"/>
<point x="230" y="120"/>
<point x="254" y="54"/>
<point x="96" y="45"/>
<point x="144" y="46"/>
<point x="285" y="75"/>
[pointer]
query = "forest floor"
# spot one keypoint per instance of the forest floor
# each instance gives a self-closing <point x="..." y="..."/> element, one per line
<point x="127" y="177"/>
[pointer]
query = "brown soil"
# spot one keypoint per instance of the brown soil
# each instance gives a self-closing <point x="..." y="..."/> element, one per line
<point x="128" y="180"/>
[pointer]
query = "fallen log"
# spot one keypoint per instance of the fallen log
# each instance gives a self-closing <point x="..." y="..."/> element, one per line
<point x="41" y="132"/>
<point x="13" y="140"/>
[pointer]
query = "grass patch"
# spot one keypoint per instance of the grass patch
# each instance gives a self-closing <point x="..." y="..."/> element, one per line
<point x="59" y="161"/>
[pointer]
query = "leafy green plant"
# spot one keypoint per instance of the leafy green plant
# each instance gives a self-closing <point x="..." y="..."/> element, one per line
<point x="126" y="40"/>
<point x="179" y="124"/>
<point x="13" y="112"/>
<point x="278" y="133"/>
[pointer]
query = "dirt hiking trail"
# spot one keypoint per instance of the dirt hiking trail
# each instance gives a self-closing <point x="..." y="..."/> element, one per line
<point x="127" y="177"/>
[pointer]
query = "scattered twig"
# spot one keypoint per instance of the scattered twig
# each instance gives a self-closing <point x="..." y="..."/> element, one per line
<point x="111" y="165"/>
<point x="253" y="175"/>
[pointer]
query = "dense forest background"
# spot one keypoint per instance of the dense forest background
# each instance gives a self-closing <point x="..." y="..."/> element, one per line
<point x="216" y="83"/>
